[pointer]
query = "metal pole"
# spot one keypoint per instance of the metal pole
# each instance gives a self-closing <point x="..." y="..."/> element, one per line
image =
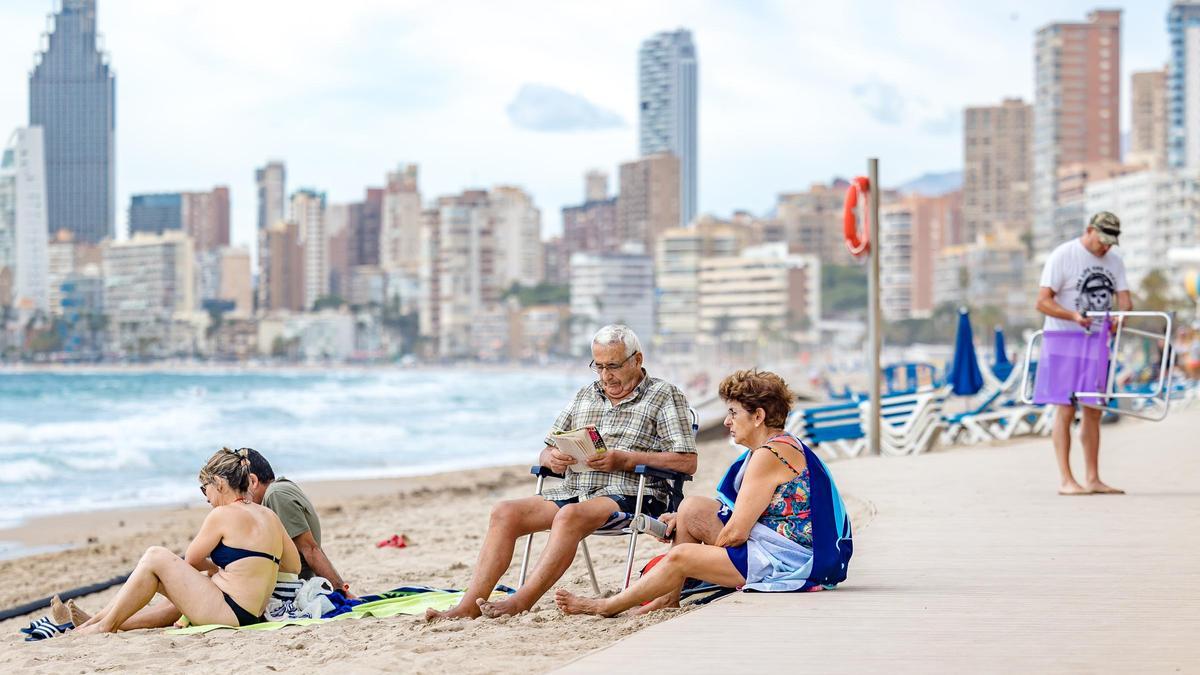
<point x="874" y="316"/>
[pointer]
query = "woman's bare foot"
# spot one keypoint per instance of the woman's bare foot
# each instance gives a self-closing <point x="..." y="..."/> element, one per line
<point x="78" y="616"/>
<point x="459" y="611"/>
<point x="495" y="609"/>
<point x="570" y="603"/>
<point x="58" y="611"/>
<point x="1071" y="489"/>
<point x="658" y="603"/>
<point x="1099" y="488"/>
<point x="90" y="630"/>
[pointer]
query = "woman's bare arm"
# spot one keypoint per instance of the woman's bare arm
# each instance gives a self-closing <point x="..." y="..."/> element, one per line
<point x="764" y="473"/>
<point x="205" y="541"/>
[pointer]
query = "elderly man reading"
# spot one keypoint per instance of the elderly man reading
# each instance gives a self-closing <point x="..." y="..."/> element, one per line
<point x="642" y="419"/>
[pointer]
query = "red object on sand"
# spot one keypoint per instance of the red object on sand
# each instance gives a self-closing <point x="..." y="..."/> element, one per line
<point x="396" y="541"/>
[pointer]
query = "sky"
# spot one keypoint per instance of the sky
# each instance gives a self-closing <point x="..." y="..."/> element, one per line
<point x="534" y="94"/>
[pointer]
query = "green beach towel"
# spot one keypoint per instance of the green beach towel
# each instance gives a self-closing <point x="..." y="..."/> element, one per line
<point x="413" y="604"/>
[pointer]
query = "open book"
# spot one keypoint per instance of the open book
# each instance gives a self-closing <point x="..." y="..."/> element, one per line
<point x="582" y="444"/>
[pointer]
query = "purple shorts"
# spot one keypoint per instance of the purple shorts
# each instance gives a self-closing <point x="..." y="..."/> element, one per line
<point x="1072" y="361"/>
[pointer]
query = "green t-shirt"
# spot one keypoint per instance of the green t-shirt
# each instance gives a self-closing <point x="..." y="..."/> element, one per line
<point x="292" y="506"/>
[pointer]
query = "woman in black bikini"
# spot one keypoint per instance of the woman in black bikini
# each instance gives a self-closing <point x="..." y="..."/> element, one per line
<point x="229" y="570"/>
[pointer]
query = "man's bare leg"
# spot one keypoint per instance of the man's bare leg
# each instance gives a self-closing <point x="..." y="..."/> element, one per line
<point x="571" y="524"/>
<point x="1064" y="415"/>
<point x="510" y="520"/>
<point x="696" y="523"/>
<point x="1089" y="435"/>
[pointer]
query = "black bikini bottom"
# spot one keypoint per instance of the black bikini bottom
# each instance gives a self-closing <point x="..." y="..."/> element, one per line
<point x="244" y="618"/>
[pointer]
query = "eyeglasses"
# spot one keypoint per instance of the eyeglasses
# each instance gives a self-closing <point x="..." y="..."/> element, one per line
<point x="204" y="488"/>
<point x="601" y="367"/>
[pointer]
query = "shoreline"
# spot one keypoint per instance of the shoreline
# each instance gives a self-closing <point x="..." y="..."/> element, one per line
<point x="72" y="529"/>
<point x="443" y="518"/>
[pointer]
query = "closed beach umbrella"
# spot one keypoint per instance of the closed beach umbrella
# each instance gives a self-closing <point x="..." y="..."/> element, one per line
<point x="965" y="378"/>
<point x="1002" y="366"/>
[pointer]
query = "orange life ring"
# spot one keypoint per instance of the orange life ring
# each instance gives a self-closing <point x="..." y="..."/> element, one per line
<point x="858" y="242"/>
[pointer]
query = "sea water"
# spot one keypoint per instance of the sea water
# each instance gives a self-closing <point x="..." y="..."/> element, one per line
<point x="74" y="441"/>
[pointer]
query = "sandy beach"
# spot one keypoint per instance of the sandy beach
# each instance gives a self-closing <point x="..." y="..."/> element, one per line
<point x="444" y="517"/>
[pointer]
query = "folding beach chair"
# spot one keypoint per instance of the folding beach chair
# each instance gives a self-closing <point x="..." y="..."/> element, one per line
<point x="1098" y="387"/>
<point x="620" y="523"/>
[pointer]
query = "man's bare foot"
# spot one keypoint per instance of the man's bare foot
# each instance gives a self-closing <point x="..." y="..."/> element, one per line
<point x="1099" y="488"/>
<point x="78" y="616"/>
<point x="459" y="611"/>
<point x="658" y="603"/>
<point x="570" y="603"/>
<point x="497" y="608"/>
<point x="58" y="611"/>
<point x="1072" y="489"/>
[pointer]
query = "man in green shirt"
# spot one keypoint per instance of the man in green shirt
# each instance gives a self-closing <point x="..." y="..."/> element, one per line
<point x="299" y="518"/>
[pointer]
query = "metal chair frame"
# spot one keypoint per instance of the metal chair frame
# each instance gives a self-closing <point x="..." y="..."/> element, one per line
<point x="1162" y="387"/>
<point x="637" y="524"/>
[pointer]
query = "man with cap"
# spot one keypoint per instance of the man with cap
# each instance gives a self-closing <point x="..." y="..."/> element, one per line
<point x="1082" y="275"/>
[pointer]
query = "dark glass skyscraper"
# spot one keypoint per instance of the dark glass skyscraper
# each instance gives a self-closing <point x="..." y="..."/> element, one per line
<point x="72" y="95"/>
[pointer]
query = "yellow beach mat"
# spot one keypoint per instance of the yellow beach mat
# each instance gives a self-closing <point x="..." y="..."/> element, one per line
<point x="414" y="604"/>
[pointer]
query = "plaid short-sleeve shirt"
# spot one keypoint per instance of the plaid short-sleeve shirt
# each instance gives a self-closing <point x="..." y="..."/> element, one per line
<point x="654" y="418"/>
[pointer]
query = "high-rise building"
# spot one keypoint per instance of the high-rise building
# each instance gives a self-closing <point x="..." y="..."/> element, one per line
<point x="155" y="213"/>
<point x="667" y="112"/>
<point x="400" y="225"/>
<point x="590" y="227"/>
<point x="308" y="212"/>
<point x="517" y="228"/>
<point x="611" y="288"/>
<point x="997" y="167"/>
<point x="224" y="275"/>
<point x="648" y="203"/>
<point x="1183" y="84"/>
<point x="987" y="271"/>
<point x="1076" y="113"/>
<point x="811" y="221"/>
<point x="271" y="180"/>
<point x="23" y="214"/>
<point x="365" y="238"/>
<point x="72" y="96"/>
<point x="149" y="277"/>
<point x="761" y="292"/>
<point x="464" y="270"/>
<point x="595" y="186"/>
<point x="911" y="231"/>
<point x="677" y="257"/>
<point x="1148" y="119"/>
<point x="272" y="193"/>
<point x="282" y="282"/>
<point x="1159" y="211"/>
<point x="204" y="216"/>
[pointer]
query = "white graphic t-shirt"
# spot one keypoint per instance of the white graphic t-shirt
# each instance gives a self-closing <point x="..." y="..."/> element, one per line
<point x="1082" y="281"/>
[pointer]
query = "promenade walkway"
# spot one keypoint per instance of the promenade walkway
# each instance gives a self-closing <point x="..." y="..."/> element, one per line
<point x="972" y="563"/>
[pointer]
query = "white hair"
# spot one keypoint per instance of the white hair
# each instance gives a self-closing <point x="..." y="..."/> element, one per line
<point x="618" y="333"/>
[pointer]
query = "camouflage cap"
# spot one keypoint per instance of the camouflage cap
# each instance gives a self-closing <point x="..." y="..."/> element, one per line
<point x="1107" y="226"/>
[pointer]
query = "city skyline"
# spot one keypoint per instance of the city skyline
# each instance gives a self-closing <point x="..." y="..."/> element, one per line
<point x="471" y="120"/>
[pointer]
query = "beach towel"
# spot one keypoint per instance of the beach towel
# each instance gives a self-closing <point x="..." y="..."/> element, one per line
<point x="779" y="564"/>
<point x="1072" y="361"/>
<point x="408" y="600"/>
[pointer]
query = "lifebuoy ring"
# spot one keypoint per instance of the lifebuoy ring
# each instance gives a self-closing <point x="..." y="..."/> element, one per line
<point x="858" y="242"/>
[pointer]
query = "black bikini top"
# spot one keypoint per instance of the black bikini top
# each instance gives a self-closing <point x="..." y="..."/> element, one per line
<point x="222" y="555"/>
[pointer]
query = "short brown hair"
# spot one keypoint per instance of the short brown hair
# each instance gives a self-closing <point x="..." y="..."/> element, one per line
<point x="755" y="389"/>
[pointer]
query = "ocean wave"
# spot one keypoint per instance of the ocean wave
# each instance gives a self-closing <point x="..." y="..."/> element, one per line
<point x="130" y="439"/>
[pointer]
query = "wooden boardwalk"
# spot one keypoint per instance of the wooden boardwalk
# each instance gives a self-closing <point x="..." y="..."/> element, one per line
<point x="972" y="563"/>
